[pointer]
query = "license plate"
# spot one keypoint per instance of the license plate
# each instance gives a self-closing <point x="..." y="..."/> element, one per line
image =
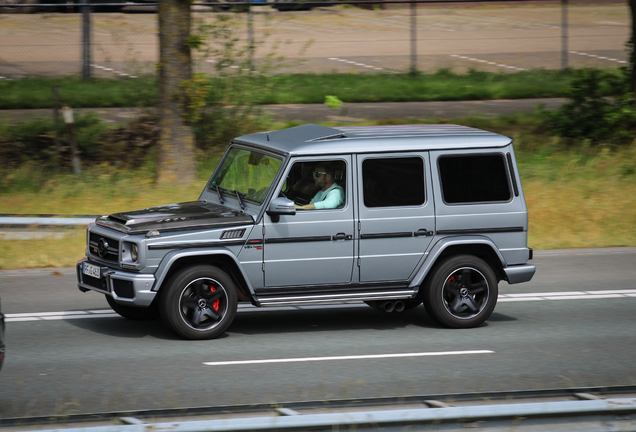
<point x="92" y="270"/>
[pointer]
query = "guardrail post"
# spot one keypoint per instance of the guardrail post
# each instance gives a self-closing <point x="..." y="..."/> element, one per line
<point x="86" y="39"/>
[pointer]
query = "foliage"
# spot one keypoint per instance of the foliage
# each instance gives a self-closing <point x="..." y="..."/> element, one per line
<point x="287" y="88"/>
<point x="333" y="102"/>
<point x="589" y="115"/>
<point x="225" y="105"/>
<point x="32" y="93"/>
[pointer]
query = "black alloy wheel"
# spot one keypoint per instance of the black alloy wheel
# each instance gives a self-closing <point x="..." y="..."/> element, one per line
<point x="461" y="292"/>
<point x="199" y="302"/>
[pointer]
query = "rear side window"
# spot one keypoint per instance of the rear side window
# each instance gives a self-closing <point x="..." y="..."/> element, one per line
<point x="393" y="182"/>
<point x="474" y="179"/>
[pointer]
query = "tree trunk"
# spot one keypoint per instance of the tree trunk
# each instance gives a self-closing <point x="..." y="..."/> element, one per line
<point x="176" y="143"/>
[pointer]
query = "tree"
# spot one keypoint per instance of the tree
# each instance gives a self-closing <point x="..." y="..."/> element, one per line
<point x="176" y="163"/>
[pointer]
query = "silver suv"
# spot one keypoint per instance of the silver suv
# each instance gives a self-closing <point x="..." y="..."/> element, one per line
<point x="393" y="216"/>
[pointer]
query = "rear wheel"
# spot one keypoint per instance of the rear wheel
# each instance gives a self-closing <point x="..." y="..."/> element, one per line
<point x="134" y="313"/>
<point x="199" y="302"/>
<point x="461" y="292"/>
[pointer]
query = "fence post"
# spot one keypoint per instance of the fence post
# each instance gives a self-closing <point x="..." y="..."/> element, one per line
<point x="86" y="39"/>
<point x="250" y="36"/>
<point x="413" y="38"/>
<point x="564" y="34"/>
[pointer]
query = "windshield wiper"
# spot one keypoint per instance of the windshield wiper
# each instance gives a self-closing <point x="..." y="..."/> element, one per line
<point x="240" y="200"/>
<point x="218" y="192"/>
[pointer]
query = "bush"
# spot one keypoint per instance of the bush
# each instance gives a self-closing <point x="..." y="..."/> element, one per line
<point x="591" y="115"/>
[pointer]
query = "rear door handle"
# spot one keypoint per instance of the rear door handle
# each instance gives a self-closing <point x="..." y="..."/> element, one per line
<point x="423" y="232"/>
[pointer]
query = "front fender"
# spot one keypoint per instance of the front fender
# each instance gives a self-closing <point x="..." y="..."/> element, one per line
<point x="174" y="256"/>
<point x="443" y="244"/>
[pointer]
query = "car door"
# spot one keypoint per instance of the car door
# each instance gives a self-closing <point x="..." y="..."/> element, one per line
<point x="397" y="214"/>
<point x="312" y="247"/>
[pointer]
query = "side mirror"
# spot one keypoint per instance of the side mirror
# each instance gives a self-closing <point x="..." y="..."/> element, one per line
<point x="281" y="206"/>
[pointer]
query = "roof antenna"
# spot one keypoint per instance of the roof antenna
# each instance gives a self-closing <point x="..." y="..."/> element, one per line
<point x="267" y="137"/>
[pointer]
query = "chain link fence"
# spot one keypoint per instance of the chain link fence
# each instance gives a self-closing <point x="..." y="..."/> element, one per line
<point x="121" y="40"/>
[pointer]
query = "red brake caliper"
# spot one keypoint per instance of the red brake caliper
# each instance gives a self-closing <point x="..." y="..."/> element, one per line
<point x="217" y="303"/>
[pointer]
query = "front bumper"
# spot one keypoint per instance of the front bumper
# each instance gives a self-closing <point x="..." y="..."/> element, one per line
<point x="125" y="287"/>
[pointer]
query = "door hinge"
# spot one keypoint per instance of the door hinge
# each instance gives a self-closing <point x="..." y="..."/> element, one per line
<point x="359" y="226"/>
<point x="263" y="267"/>
<point x="358" y="262"/>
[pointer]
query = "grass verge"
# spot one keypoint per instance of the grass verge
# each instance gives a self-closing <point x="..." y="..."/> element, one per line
<point x="442" y="85"/>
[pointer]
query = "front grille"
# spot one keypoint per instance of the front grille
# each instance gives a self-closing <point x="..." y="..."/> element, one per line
<point x="104" y="247"/>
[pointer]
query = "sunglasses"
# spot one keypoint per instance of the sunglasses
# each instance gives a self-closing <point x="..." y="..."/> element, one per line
<point x="319" y="173"/>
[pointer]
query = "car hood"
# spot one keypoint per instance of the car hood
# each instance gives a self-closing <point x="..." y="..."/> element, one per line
<point x="181" y="216"/>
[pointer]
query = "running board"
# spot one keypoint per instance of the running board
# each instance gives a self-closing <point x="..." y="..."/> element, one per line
<point x="329" y="298"/>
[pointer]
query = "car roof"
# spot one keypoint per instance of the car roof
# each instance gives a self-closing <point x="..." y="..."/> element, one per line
<point x="313" y="139"/>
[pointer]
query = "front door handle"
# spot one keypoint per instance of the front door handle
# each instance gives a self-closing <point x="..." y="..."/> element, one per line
<point x="342" y="236"/>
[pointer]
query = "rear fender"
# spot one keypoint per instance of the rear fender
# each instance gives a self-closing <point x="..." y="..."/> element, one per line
<point x="444" y="244"/>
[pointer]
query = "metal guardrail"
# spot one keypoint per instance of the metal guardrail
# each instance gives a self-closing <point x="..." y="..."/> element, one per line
<point x="587" y="410"/>
<point x="11" y="220"/>
<point x="517" y="415"/>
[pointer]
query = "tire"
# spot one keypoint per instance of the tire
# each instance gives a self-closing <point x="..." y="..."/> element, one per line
<point x="199" y="302"/>
<point x="461" y="292"/>
<point x="5" y="6"/>
<point x="134" y="313"/>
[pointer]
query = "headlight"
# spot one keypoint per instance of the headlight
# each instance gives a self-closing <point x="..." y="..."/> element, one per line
<point x="134" y="252"/>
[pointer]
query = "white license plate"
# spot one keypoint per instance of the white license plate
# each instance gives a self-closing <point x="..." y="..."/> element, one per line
<point x="92" y="270"/>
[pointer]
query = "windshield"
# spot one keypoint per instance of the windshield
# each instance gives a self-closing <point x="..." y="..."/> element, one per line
<point x="248" y="172"/>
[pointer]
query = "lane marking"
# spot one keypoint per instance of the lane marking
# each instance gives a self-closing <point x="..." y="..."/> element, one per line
<point x="352" y="357"/>
<point x="487" y="62"/>
<point x="247" y="308"/>
<point x="107" y="69"/>
<point x="356" y="63"/>
<point x="598" y="57"/>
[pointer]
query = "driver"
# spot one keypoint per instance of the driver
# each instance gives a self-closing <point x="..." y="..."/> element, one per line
<point x="330" y="195"/>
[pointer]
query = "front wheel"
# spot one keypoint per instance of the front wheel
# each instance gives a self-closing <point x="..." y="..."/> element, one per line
<point x="461" y="292"/>
<point x="199" y="302"/>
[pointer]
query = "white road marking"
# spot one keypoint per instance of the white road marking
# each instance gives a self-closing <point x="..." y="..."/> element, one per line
<point x="351" y="357"/>
<point x="104" y="68"/>
<point x="355" y="63"/>
<point x="246" y="308"/>
<point x="486" y="61"/>
<point x="597" y="57"/>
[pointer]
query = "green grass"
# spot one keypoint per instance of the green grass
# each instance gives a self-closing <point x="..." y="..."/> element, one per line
<point x="299" y="88"/>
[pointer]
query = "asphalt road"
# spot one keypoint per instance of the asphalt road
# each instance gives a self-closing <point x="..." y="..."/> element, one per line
<point x="494" y="38"/>
<point x="573" y="325"/>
